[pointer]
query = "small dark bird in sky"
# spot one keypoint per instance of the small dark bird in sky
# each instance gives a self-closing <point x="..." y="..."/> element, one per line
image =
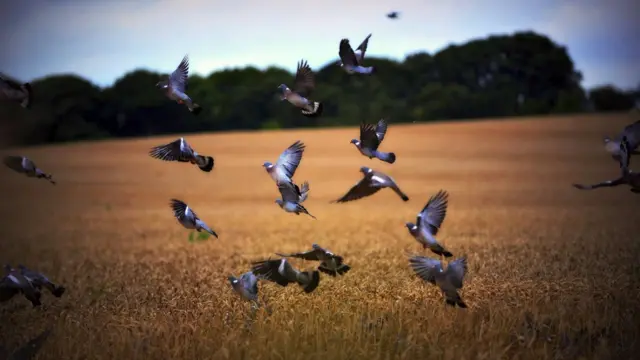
<point x="393" y="15"/>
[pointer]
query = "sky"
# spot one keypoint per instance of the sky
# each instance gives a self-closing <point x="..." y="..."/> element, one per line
<point x="101" y="40"/>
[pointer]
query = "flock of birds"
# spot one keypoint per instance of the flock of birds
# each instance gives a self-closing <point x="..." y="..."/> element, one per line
<point x="449" y="279"/>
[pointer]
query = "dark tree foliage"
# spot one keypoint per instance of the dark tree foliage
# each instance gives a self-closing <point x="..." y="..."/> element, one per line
<point x="509" y="75"/>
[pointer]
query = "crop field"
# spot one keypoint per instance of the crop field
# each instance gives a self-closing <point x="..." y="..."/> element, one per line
<point x="554" y="272"/>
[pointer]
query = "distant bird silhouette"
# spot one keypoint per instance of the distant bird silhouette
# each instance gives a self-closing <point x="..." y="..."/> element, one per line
<point x="188" y="218"/>
<point x="23" y="165"/>
<point x="429" y="221"/>
<point x="370" y="139"/>
<point x="351" y="61"/>
<point x="371" y="182"/>
<point x="175" y="86"/>
<point x="330" y="263"/>
<point x="393" y="15"/>
<point x="303" y="85"/>
<point x="281" y="272"/>
<point x="180" y="150"/>
<point x="449" y="280"/>
<point x="11" y="90"/>
<point x="288" y="162"/>
<point x="627" y="176"/>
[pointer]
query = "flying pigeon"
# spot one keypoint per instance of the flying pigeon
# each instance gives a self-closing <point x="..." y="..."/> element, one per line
<point x="287" y="163"/>
<point x="351" y="61"/>
<point x="175" y="86"/>
<point x="330" y="263"/>
<point x="632" y="133"/>
<point x="188" y="218"/>
<point x="290" y="201"/>
<point x="393" y="15"/>
<point x="449" y="280"/>
<point x="14" y="283"/>
<point x="28" y="350"/>
<point x="370" y="139"/>
<point x="303" y="86"/>
<point x="246" y="286"/>
<point x="371" y="183"/>
<point x="281" y="272"/>
<point x="429" y="222"/>
<point x="38" y="281"/>
<point x="180" y="150"/>
<point x="13" y="91"/>
<point x="627" y="176"/>
<point x="23" y="165"/>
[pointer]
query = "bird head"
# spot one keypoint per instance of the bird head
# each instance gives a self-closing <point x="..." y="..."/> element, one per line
<point x="267" y="165"/>
<point x="606" y="139"/>
<point x="7" y="268"/>
<point x="365" y="170"/>
<point x="411" y="227"/>
<point x="232" y="280"/>
<point x="355" y="142"/>
<point x="283" y="87"/>
<point x="315" y="246"/>
<point x="280" y="202"/>
<point x="162" y="84"/>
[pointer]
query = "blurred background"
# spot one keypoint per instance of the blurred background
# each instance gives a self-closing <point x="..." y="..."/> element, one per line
<point x="93" y="64"/>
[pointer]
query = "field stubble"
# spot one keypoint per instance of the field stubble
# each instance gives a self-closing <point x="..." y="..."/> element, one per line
<point x="553" y="271"/>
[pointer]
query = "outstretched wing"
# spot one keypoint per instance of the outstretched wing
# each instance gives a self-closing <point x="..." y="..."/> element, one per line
<point x="433" y="213"/>
<point x="169" y="152"/>
<point x="625" y="154"/>
<point x="268" y="270"/>
<point x="368" y="137"/>
<point x="362" y="189"/>
<point x="347" y="56"/>
<point x="178" y="78"/>
<point x="290" y="158"/>
<point x="381" y="130"/>
<point x="307" y="255"/>
<point x="304" y="82"/>
<point x="363" y="47"/>
<point x="180" y="208"/>
<point x="426" y="268"/>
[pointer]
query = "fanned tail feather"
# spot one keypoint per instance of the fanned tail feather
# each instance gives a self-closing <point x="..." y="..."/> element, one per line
<point x="317" y="110"/>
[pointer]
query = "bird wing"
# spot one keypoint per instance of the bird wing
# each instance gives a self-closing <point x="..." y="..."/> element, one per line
<point x="268" y="270"/>
<point x="426" y="268"/>
<point x="304" y="192"/>
<point x="456" y="270"/>
<point x="632" y="133"/>
<point x="381" y="130"/>
<point x="306" y="255"/>
<point x="362" y="189"/>
<point x="363" y="47"/>
<point x="433" y="213"/>
<point x="14" y="163"/>
<point x="288" y="192"/>
<point x="290" y="158"/>
<point x="170" y="151"/>
<point x="368" y="137"/>
<point x="178" y="78"/>
<point x="625" y="154"/>
<point x="180" y="209"/>
<point x="11" y="82"/>
<point x="250" y="282"/>
<point x="347" y="56"/>
<point x="304" y="82"/>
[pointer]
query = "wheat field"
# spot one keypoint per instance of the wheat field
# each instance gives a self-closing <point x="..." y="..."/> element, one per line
<point x="554" y="272"/>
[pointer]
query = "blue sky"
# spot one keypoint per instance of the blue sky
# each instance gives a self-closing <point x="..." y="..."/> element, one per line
<point x="102" y="40"/>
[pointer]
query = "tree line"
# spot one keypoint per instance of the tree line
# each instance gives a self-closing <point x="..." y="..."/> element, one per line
<point x="524" y="73"/>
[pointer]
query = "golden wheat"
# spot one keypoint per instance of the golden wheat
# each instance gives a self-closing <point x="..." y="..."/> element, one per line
<point x="553" y="271"/>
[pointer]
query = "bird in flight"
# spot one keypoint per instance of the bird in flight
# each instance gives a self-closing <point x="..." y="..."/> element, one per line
<point x="303" y="85"/>
<point x="370" y="139"/>
<point x="371" y="182"/>
<point x="429" y="221"/>
<point x="176" y="84"/>
<point x="180" y="150"/>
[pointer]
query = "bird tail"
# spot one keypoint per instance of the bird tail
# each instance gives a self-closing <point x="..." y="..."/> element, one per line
<point x="461" y="304"/>
<point x="402" y="195"/>
<point x="304" y="210"/>
<point x="195" y="108"/>
<point x="439" y="250"/>
<point x="386" y="157"/>
<point x="372" y="70"/>
<point x="26" y="103"/>
<point x="206" y="163"/>
<point x="317" y="110"/>
<point x="314" y="280"/>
